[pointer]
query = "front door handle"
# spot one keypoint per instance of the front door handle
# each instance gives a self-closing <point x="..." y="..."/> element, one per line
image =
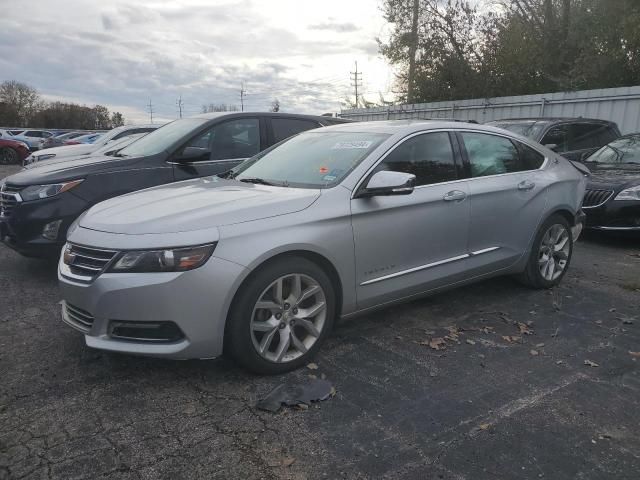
<point x="454" y="196"/>
<point x="526" y="185"/>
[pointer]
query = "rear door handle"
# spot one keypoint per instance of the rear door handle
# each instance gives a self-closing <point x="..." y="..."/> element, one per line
<point x="454" y="196"/>
<point x="526" y="185"/>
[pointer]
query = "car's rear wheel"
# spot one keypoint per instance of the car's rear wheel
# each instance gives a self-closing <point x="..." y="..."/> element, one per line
<point x="281" y="316"/>
<point x="8" y="156"/>
<point x="550" y="254"/>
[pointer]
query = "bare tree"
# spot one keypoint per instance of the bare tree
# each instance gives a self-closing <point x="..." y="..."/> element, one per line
<point x="275" y="105"/>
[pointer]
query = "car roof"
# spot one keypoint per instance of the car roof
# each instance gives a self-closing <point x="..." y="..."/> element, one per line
<point x="321" y="118"/>
<point x="550" y="120"/>
<point x="392" y="127"/>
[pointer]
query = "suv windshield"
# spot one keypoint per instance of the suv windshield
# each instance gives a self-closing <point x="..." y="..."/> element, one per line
<point x="624" y="150"/>
<point x="311" y="159"/>
<point x="530" y="129"/>
<point x="162" y="138"/>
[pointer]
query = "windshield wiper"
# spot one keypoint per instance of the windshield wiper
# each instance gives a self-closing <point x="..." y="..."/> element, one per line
<point x="259" y="181"/>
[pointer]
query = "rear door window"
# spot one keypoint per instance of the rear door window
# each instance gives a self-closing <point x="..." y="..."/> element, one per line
<point x="491" y="154"/>
<point x="586" y="135"/>
<point x="287" y="127"/>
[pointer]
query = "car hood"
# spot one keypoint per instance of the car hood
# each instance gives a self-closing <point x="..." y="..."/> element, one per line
<point x="191" y="205"/>
<point x="609" y="177"/>
<point x="67" y="150"/>
<point x="54" y="170"/>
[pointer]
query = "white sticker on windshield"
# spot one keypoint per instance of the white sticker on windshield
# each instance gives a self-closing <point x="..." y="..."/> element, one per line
<point x="348" y="145"/>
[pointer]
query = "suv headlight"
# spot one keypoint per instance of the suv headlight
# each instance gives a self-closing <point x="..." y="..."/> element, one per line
<point x="168" y="260"/>
<point x="36" y="192"/>
<point x="632" y="193"/>
<point x="45" y="156"/>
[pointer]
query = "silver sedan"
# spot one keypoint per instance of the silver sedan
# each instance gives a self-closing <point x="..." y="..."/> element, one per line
<point x="260" y="263"/>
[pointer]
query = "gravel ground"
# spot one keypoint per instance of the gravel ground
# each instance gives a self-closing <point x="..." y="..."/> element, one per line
<point x="508" y="394"/>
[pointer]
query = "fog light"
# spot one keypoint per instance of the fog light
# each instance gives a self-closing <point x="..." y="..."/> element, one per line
<point x="50" y="230"/>
<point x="145" y="331"/>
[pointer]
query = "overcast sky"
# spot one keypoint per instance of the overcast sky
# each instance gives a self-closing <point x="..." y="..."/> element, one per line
<point x="123" y="53"/>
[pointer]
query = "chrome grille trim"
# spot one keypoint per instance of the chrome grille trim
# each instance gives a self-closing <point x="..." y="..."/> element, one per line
<point x="596" y="198"/>
<point x="84" y="264"/>
<point x="76" y="317"/>
<point x="9" y="198"/>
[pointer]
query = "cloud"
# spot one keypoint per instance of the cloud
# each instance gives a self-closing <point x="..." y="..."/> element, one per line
<point x="335" y="27"/>
<point x="122" y="54"/>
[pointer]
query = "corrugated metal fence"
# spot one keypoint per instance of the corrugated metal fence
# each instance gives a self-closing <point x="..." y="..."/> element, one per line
<point x="621" y="105"/>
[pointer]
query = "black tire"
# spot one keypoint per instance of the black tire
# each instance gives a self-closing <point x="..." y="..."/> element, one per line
<point x="239" y="338"/>
<point x="8" y="156"/>
<point x="532" y="276"/>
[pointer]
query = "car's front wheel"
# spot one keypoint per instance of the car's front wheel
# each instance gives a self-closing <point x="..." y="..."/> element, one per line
<point x="550" y="254"/>
<point x="281" y="316"/>
<point x="8" y="156"/>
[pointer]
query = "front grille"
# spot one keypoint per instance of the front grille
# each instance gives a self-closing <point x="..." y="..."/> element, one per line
<point x="9" y="198"/>
<point x="595" y="198"/>
<point x="78" y="317"/>
<point x="86" y="263"/>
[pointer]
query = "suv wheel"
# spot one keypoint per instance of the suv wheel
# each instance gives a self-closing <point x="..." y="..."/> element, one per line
<point x="550" y="254"/>
<point x="281" y="316"/>
<point x="8" y="156"/>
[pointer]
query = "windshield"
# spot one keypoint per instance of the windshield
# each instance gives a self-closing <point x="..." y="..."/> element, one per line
<point x="530" y="130"/>
<point x="162" y="138"/>
<point x="624" y="150"/>
<point x="311" y="160"/>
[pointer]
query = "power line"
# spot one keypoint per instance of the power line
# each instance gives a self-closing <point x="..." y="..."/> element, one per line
<point x="243" y="92"/>
<point x="356" y="79"/>
<point x="150" y="111"/>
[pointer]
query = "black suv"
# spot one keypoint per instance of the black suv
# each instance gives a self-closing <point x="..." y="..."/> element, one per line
<point x="573" y="138"/>
<point x="38" y="204"/>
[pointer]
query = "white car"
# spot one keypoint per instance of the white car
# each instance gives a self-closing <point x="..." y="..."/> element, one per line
<point x="87" y="148"/>
<point x="34" y="138"/>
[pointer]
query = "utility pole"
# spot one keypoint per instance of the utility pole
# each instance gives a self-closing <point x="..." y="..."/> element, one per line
<point x="413" y="48"/>
<point x="356" y="79"/>
<point x="150" y="111"/>
<point x="243" y="93"/>
<point x="180" y="104"/>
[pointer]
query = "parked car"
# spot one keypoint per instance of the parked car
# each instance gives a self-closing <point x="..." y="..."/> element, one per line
<point x="81" y="149"/>
<point x="34" y="138"/>
<point x="612" y="199"/>
<point x="333" y="222"/>
<point x="5" y="134"/>
<point x="89" y="138"/>
<point x="59" y="140"/>
<point x="37" y="205"/>
<point x="12" y="151"/>
<point x="572" y="138"/>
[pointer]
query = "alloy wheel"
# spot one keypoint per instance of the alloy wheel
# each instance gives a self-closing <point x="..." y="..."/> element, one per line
<point x="553" y="254"/>
<point x="288" y="318"/>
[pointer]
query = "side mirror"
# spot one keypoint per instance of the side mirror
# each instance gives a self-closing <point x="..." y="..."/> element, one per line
<point x="387" y="183"/>
<point x="193" y="154"/>
<point x="551" y="146"/>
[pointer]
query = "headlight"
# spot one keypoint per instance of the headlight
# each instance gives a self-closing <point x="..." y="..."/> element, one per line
<point x="169" y="260"/>
<point x="632" y="193"/>
<point x="46" y="156"/>
<point x="35" y="192"/>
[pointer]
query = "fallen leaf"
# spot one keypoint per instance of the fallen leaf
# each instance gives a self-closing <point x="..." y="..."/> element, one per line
<point x="399" y="337"/>
<point x="539" y="345"/>
<point x="599" y="322"/>
<point x="524" y="329"/>
<point x="487" y="330"/>
<point x="437" y="343"/>
<point x="511" y="338"/>
<point x="484" y="426"/>
<point x="312" y="366"/>
<point x="589" y="363"/>
<point x="302" y="406"/>
<point x="612" y="310"/>
<point x="470" y="342"/>
<point x="288" y="461"/>
<point x="559" y="362"/>
<point x="534" y="353"/>
<point x="635" y="354"/>
<point x="452" y="337"/>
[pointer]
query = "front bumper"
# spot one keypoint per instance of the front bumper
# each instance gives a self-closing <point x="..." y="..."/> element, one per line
<point x="22" y="229"/>
<point x="196" y="301"/>
<point x="578" y="225"/>
<point x="615" y="215"/>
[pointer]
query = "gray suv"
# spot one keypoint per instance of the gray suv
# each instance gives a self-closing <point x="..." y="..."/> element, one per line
<point x="331" y="223"/>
